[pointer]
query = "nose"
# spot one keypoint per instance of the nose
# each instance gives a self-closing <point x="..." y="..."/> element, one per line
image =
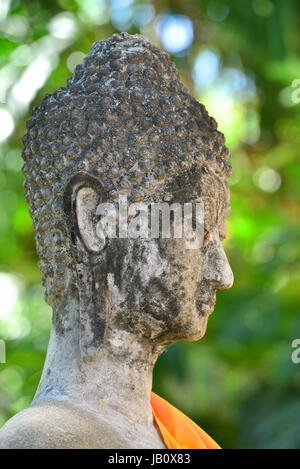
<point x="217" y="271"/>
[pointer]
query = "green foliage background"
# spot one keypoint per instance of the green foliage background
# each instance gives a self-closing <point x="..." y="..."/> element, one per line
<point x="239" y="382"/>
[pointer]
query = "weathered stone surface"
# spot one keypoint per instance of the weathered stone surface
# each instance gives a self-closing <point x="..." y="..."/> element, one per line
<point x="124" y="124"/>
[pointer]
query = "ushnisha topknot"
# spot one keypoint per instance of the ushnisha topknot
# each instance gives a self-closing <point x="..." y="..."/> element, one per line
<point x="125" y="118"/>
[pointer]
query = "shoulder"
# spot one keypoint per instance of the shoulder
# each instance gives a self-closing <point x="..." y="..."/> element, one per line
<point x="56" y="425"/>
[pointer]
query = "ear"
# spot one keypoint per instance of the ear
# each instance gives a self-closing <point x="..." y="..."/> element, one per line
<point x="82" y="196"/>
<point x="86" y="204"/>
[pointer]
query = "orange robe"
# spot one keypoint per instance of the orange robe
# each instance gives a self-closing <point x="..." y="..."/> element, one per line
<point x="177" y="430"/>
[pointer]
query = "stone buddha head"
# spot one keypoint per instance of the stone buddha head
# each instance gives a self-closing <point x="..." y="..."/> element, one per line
<point x="126" y="125"/>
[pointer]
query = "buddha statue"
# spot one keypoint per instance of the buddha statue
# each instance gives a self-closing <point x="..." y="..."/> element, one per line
<point x="123" y="125"/>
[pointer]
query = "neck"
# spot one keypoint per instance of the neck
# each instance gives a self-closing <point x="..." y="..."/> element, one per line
<point x="118" y="378"/>
<point x="121" y="376"/>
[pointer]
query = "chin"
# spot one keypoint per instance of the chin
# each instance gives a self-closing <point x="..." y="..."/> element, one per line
<point x="197" y="328"/>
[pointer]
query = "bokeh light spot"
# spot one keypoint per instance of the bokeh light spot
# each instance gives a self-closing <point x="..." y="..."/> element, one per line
<point x="267" y="179"/>
<point x="63" y="26"/>
<point x="143" y="14"/>
<point x="205" y="68"/>
<point x="262" y="7"/>
<point x="6" y="124"/>
<point x="74" y="59"/>
<point x="217" y="10"/>
<point x="176" y="32"/>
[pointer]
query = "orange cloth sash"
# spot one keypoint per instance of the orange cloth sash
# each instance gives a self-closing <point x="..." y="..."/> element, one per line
<point x="177" y="430"/>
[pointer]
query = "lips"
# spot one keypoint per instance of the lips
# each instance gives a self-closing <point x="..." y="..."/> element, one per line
<point x="207" y="308"/>
<point x="206" y="305"/>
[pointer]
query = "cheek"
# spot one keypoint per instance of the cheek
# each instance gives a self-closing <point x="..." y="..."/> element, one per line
<point x="188" y="265"/>
<point x="184" y="276"/>
<point x="160" y="300"/>
<point x="163" y="275"/>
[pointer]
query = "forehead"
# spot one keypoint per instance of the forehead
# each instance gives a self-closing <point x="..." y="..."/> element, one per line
<point x="198" y="184"/>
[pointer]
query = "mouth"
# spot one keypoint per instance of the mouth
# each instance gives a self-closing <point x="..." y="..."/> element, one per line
<point x="205" y="306"/>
